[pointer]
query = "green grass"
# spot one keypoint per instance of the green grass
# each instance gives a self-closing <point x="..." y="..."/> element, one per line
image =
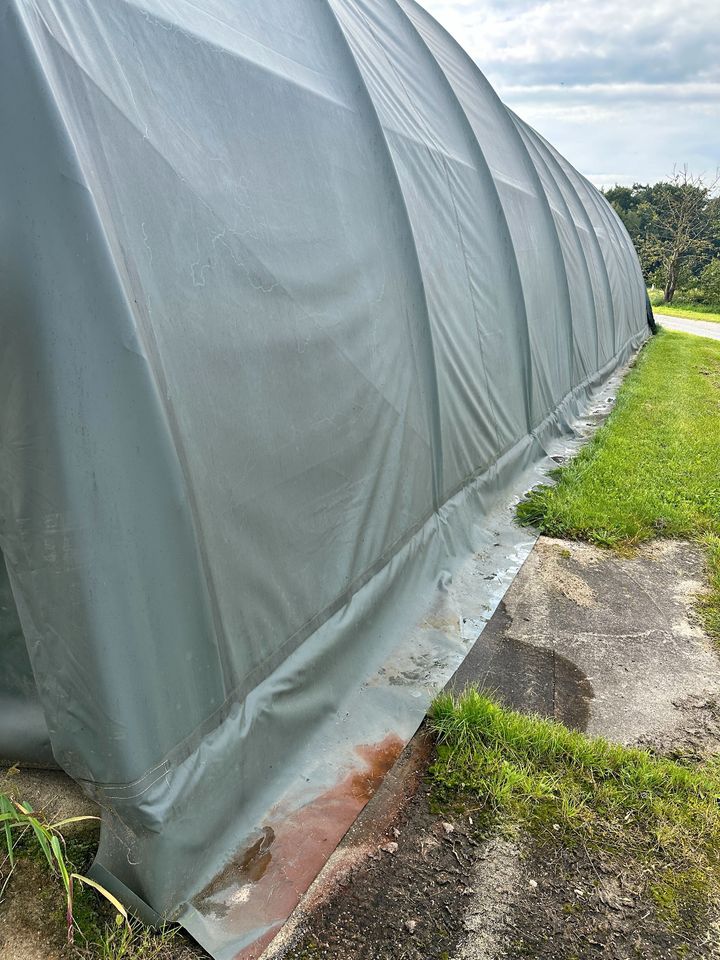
<point x="656" y="817"/>
<point x="690" y="313"/>
<point x="133" y="941"/>
<point x="680" y="308"/>
<point x="653" y="470"/>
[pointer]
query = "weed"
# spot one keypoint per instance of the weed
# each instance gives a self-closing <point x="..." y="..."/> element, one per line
<point x="20" y="822"/>
<point x="131" y="941"/>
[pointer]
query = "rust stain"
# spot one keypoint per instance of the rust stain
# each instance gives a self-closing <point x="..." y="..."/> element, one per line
<point x="261" y="887"/>
<point x="378" y="761"/>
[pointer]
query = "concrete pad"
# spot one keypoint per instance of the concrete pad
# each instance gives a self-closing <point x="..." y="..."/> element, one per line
<point x="606" y="644"/>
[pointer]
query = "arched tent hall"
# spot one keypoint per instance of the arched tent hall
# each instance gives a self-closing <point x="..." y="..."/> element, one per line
<point x="289" y="302"/>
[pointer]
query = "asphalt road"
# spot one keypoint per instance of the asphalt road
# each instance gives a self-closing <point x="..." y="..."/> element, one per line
<point x="701" y="328"/>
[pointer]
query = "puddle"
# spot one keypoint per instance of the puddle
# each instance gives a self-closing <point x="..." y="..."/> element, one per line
<point x="248" y="866"/>
<point x="524" y="676"/>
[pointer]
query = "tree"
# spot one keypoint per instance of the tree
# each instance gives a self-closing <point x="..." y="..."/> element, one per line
<point x="710" y="280"/>
<point x="674" y="224"/>
<point x="682" y="229"/>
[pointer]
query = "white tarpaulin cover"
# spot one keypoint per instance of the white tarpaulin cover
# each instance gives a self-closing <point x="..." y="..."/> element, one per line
<point x="288" y="300"/>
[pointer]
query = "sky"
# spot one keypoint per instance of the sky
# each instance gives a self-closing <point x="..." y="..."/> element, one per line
<point x="625" y="90"/>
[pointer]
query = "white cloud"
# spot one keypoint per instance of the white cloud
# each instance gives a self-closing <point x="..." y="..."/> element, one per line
<point x="616" y="87"/>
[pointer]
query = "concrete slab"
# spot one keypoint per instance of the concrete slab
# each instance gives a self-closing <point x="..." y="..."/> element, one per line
<point x="605" y="644"/>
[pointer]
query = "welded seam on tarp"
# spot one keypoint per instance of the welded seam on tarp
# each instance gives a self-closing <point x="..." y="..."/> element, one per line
<point x="485" y="89"/>
<point x="599" y="280"/>
<point x="430" y="367"/>
<point x="616" y="252"/>
<point x="565" y="213"/>
<point x="526" y="133"/>
<point x="528" y="367"/>
<point x="555" y="172"/>
<point x="537" y="159"/>
<point x="542" y="199"/>
<point x="573" y="183"/>
<point x="621" y="253"/>
<point x="484" y="179"/>
<point x="631" y="260"/>
<point x="591" y="204"/>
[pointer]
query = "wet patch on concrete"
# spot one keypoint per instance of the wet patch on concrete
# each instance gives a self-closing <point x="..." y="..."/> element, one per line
<point x="525" y="677"/>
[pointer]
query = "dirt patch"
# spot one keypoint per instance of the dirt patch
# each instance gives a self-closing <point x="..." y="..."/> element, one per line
<point x="557" y="576"/>
<point x="433" y="890"/>
<point x="30" y="926"/>
<point x="407" y="898"/>
<point x="695" y="734"/>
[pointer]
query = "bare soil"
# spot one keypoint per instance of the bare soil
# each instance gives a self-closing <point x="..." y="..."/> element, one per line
<point x="446" y="892"/>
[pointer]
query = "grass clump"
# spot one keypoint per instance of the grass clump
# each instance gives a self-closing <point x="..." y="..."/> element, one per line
<point x="19" y="821"/>
<point x="96" y="924"/>
<point x="653" y="470"/>
<point x="562" y="785"/>
<point x="134" y="941"/>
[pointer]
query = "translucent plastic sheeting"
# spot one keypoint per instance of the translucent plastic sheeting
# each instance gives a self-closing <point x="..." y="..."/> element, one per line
<point x="289" y="303"/>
